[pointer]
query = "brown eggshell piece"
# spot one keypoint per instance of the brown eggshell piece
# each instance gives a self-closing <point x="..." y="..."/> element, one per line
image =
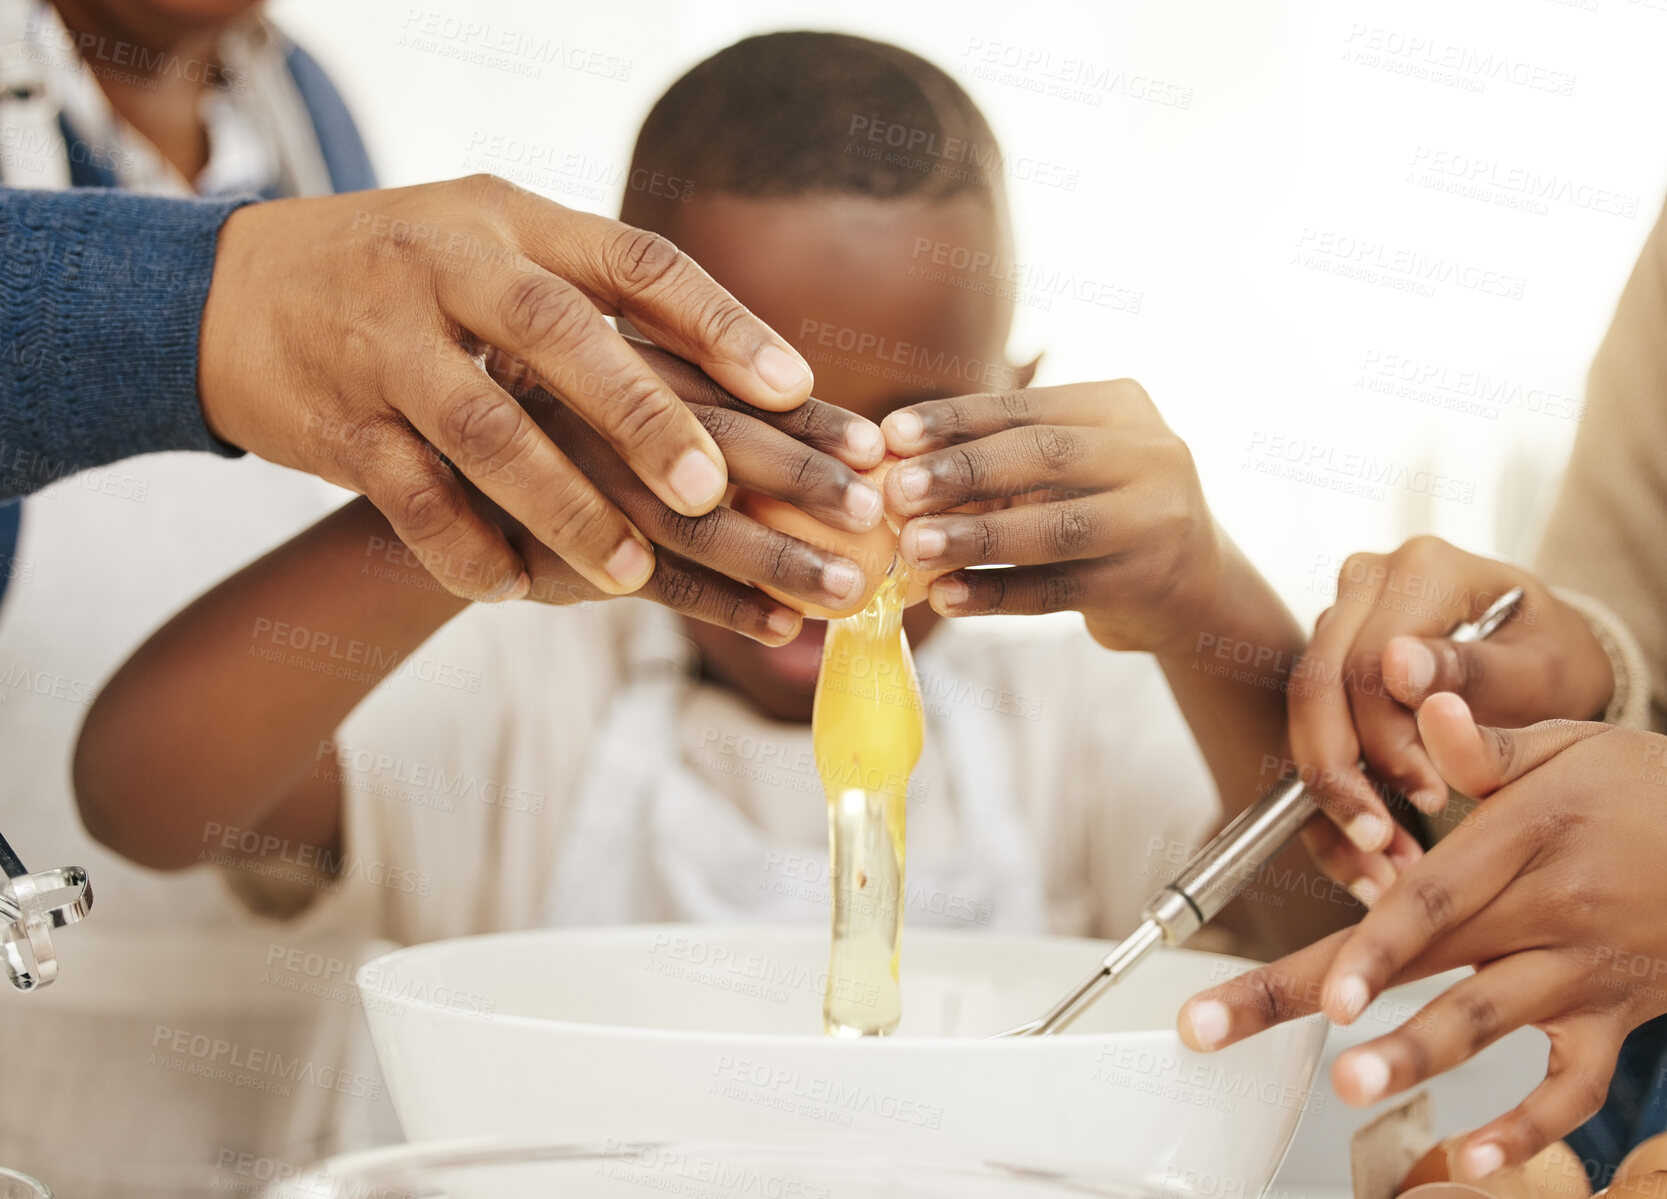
<point x="1553" y="1173"/>
<point x="1647" y="1157"/>
<point x="1638" y="1184"/>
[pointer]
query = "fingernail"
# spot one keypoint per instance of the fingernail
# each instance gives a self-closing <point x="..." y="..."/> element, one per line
<point x="1370" y="1073"/>
<point x="783" y="371"/>
<point x="949" y="593"/>
<point x="1366" y="891"/>
<point x="1209" y="1019"/>
<point x="841" y="579"/>
<point x="930" y="543"/>
<point x="862" y="502"/>
<point x="1420" y="667"/>
<point x="907" y="426"/>
<point x="696" y="480"/>
<point x="782" y="623"/>
<point x="1349" y="997"/>
<point x="516" y="588"/>
<point x="630" y="564"/>
<point x="1367" y="831"/>
<point x="1481" y="1160"/>
<point x="866" y="440"/>
<point x="913" y="481"/>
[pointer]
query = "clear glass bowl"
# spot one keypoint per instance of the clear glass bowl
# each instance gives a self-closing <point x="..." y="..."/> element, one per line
<point x="846" y="1168"/>
<point x="20" y="1186"/>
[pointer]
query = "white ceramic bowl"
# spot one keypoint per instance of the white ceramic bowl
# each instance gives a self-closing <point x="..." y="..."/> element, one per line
<point x="500" y="1168"/>
<point x="689" y="1032"/>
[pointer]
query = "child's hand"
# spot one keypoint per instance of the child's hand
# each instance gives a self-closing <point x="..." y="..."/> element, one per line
<point x="1082" y="492"/>
<point x="1553" y="888"/>
<point x="707" y="566"/>
<point x="1379" y="650"/>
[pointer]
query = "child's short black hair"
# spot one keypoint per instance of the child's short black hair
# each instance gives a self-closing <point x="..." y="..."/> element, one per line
<point x="788" y="114"/>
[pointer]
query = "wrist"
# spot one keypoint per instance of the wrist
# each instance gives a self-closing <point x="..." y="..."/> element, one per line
<point x="219" y="333"/>
<point x="1241" y="629"/>
<point x="1623" y="665"/>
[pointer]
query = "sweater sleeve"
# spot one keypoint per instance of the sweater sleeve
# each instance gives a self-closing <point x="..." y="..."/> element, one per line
<point x="1607" y="536"/>
<point x="101" y="302"/>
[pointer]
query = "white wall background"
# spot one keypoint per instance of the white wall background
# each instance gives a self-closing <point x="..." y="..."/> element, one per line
<point x="1239" y="166"/>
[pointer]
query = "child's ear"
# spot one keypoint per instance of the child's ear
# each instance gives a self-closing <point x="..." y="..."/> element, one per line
<point x="1022" y="375"/>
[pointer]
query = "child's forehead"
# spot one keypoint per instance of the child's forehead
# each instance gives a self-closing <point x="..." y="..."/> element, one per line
<point x="914" y="267"/>
<point x="890" y="300"/>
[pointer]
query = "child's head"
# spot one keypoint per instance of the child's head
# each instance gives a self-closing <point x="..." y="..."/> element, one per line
<point x="850" y="194"/>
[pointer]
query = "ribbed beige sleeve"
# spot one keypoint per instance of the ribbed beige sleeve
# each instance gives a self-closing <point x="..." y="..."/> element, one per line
<point x="1607" y="537"/>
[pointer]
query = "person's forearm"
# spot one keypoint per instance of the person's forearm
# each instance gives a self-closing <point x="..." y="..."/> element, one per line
<point x="1230" y="685"/>
<point x="1229" y="680"/>
<point x="216" y="716"/>
<point x="101" y="303"/>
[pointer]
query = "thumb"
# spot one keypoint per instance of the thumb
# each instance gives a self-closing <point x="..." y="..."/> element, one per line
<point x="1488" y="675"/>
<point x="1478" y="760"/>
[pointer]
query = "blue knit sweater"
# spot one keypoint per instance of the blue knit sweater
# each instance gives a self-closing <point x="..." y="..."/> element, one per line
<point x="101" y="296"/>
<point x="101" y="300"/>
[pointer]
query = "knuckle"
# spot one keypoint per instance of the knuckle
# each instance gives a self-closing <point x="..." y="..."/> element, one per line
<point x="643" y="260"/>
<point x="483" y="185"/>
<point x="479" y="424"/>
<point x="641" y="413"/>
<point x="783" y="561"/>
<point x="1504" y="748"/>
<point x="542" y="313"/>
<point x="1415" y="1051"/>
<point x="1019" y="407"/>
<point x="1581" y="898"/>
<point x="815" y="422"/>
<point x="1481" y="1018"/>
<point x="984" y="539"/>
<point x="806" y="468"/>
<point x="680" y="589"/>
<point x="1434" y="903"/>
<point x="1068" y="531"/>
<point x="718" y="320"/>
<point x="944" y="419"/>
<point x="576" y="515"/>
<point x="1131" y="392"/>
<point x="1359" y="569"/>
<point x="1053" y="447"/>
<point x="1266" y="999"/>
<point x="722" y="423"/>
<point x="693" y="535"/>
<point x="425" y="505"/>
<point x="966" y="469"/>
<point x="1423" y="547"/>
<point x="1057" y="591"/>
<point x="1380" y="963"/>
<point x="986" y="592"/>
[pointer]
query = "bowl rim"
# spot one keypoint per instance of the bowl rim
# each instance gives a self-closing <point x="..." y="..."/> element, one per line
<point x="1306" y="1027"/>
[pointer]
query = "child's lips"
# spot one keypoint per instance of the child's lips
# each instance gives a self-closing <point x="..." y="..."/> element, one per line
<point x="800" y="659"/>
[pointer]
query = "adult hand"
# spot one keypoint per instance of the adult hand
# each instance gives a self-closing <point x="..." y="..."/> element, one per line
<point x="1082" y="491"/>
<point x="1552" y="888"/>
<point x="342" y="335"/>
<point x="709" y="566"/>
<point x="1379" y="650"/>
